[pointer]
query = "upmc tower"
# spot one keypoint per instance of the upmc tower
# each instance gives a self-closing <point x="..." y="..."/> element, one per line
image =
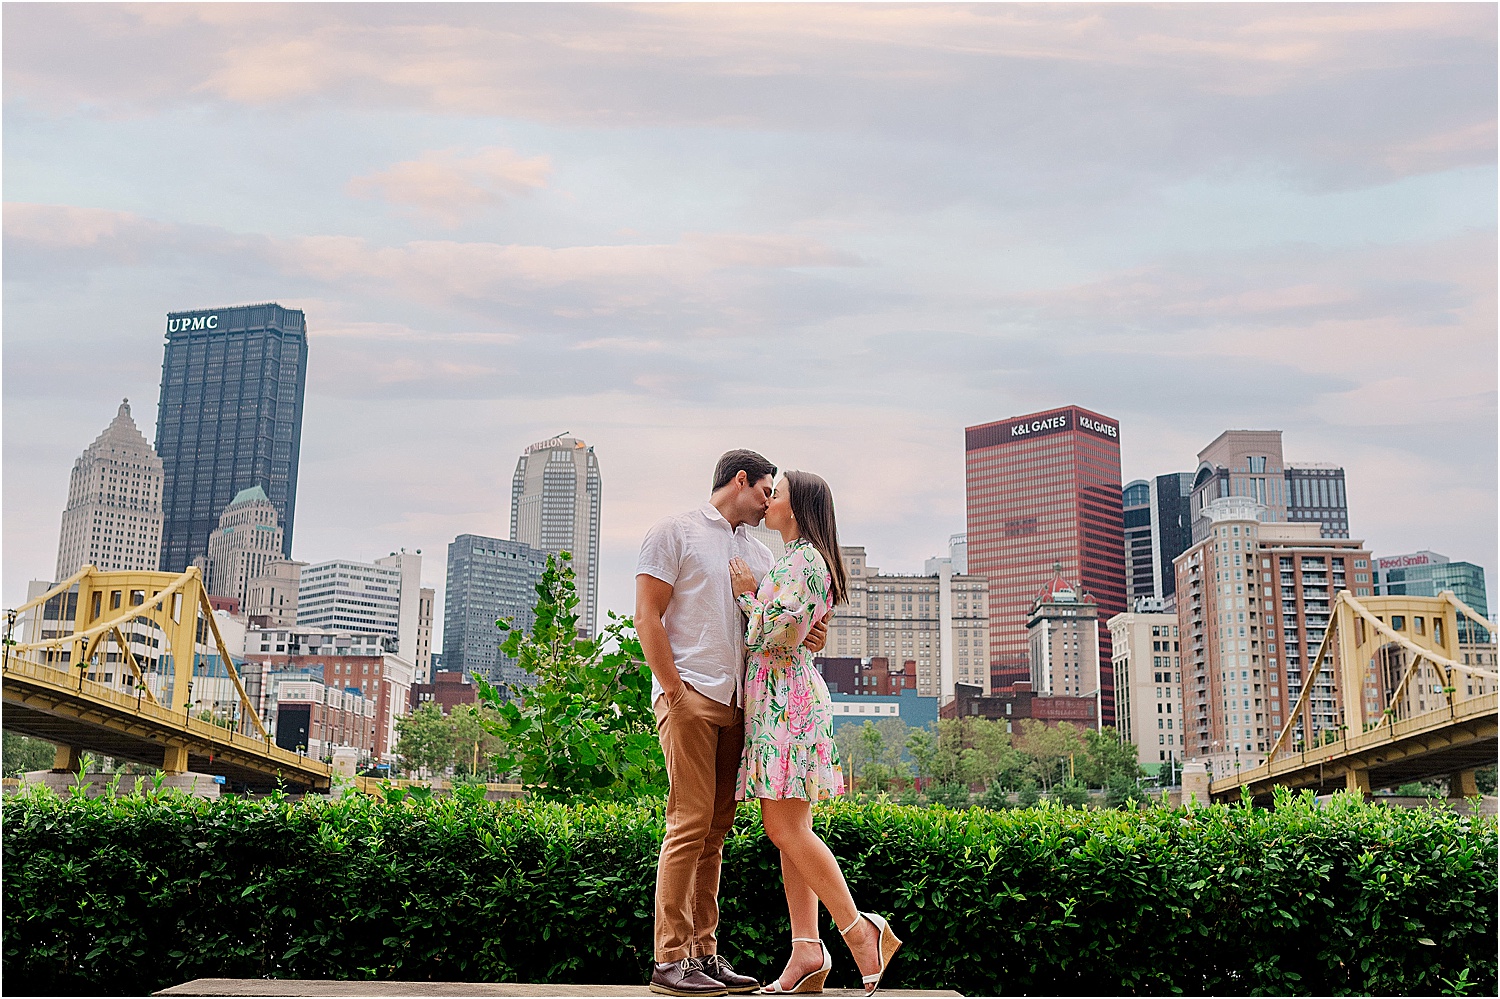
<point x="229" y="417"/>
<point x="1045" y="489"/>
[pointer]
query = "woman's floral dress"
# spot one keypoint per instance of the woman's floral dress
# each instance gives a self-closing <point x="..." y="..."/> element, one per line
<point x="789" y="750"/>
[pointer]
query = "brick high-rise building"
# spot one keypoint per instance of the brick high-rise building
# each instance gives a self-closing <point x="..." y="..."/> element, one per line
<point x="1253" y="601"/>
<point x="1044" y="490"/>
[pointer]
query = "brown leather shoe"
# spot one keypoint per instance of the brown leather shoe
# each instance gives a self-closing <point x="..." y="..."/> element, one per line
<point x="685" y="978"/>
<point x="715" y="967"/>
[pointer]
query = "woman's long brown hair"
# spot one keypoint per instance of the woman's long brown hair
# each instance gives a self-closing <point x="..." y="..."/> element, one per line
<point x="812" y="508"/>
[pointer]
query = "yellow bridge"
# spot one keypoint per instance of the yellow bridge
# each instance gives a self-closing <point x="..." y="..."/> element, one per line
<point x="1411" y="710"/>
<point x="48" y="693"/>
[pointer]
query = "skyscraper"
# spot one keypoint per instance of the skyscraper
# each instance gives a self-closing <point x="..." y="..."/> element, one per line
<point x="1044" y="489"/>
<point x="1171" y="527"/>
<point x="1249" y="464"/>
<point x="247" y="540"/>
<point x="229" y="417"/>
<point x="113" y="517"/>
<point x="1426" y="574"/>
<point x="1063" y="629"/>
<point x="1254" y="598"/>
<point x="1158" y="528"/>
<point x="937" y="621"/>
<point x="554" y="507"/>
<point x="488" y="579"/>
<point x="1139" y="542"/>
<point x="1148" y="684"/>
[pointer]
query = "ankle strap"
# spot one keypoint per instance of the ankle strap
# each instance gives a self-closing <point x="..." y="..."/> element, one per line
<point x="806" y="940"/>
<point x="857" y="917"/>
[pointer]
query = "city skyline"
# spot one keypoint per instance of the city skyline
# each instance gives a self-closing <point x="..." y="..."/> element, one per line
<point x="1293" y="229"/>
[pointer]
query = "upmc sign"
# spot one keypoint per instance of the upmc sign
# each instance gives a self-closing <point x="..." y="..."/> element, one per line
<point x="184" y="323"/>
<point x="1040" y="425"/>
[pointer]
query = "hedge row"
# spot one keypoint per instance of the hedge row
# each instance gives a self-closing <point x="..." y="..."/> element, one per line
<point x="133" y="894"/>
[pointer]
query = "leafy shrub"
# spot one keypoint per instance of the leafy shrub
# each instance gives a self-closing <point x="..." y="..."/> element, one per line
<point x="585" y="729"/>
<point x="133" y="894"/>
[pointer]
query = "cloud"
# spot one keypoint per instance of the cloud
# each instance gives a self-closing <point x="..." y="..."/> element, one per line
<point x="836" y="232"/>
<point x="449" y="187"/>
<point x="1332" y="94"/>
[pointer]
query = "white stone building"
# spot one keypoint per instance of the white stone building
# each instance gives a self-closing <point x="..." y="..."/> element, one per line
<point x="113" y="517"/>
<point x="1147" y="651"/>
<point x="939" y="621"/>
<point x="247" y="540"/>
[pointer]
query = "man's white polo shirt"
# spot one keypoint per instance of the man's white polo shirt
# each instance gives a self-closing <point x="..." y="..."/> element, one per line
<point x="691" y="551"/>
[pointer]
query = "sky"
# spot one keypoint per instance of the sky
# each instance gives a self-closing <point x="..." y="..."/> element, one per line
<point x="837" y="234"/>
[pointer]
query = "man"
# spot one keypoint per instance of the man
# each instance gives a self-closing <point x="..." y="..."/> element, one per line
<point x="692" y="634"/>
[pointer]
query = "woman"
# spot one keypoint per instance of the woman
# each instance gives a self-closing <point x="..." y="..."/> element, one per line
<point x="790" y="760"/>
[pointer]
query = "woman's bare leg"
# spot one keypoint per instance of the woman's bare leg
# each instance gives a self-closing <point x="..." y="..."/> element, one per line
<point x="802" y="905"/>
<point x="788" y="822"/>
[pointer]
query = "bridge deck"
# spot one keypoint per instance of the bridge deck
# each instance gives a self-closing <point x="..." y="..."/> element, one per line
<point x="1429" y="745"/>
<point x="60" y="707"/>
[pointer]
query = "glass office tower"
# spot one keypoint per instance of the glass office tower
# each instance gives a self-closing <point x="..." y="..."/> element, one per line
<point x="229" y="417"/>
<point x="488" y="579"/>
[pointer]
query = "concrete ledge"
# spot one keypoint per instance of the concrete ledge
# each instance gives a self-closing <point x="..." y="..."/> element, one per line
<point x="294" y="987"/>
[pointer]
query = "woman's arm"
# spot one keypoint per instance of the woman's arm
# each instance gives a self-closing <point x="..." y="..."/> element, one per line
<point x="797" y="599"/>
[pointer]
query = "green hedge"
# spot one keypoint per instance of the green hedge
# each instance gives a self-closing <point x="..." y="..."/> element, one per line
<point x="133" y="894"/>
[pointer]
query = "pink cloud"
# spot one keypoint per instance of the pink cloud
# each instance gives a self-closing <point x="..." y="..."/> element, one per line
<point x="448" y="186"/>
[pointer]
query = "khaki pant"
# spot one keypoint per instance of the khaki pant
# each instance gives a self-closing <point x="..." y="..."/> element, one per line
<point x="702" y="741"/>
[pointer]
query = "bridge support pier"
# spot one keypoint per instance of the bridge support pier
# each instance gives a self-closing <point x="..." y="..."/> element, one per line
<point x="1357" y="780"/>
<point x="66" y="760"/>
<point x="175" y="759"/>
<point x="1461" y="784"/>
<point x="1195" y="783"/>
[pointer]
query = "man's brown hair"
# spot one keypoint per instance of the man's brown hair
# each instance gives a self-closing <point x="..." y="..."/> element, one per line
<point x="740" y="460"/>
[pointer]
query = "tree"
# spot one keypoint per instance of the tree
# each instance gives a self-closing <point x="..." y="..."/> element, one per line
<point x="921" y="746"/>
<point x="21" y="754"/>
<point x="585" y="729"/>
<point x="473" y="745"/>
<point x="424" y="740"/>
<point x="1053" y="753"/>
<point x="953" y="795"/>
<point x="1107" y="756"/>
<point x="869" y="751"/>
<point x="1121" y="789"/>
<point x="996" y="797"/>
<point x="1071" y="792"/>
<point x="972" y="751"/>
<point x="1027" y="793"/>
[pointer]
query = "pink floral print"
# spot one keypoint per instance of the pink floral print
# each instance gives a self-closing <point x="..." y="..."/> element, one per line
<point x="789" y="750"/>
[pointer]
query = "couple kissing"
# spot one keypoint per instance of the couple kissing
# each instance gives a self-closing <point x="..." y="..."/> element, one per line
<point x="729" y="633"/>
